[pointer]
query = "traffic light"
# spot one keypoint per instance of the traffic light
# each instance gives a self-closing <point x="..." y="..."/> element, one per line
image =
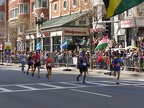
<point x="108" y="29"/>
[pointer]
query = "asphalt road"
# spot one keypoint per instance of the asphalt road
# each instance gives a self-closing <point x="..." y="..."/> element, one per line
<point x="19" y="90"/>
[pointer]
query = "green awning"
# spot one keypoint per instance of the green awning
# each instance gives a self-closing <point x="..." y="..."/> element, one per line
<point x="60" y="21"/>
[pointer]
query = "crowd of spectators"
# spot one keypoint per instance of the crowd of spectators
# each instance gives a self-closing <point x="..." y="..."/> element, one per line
<point x="132" y="57"/>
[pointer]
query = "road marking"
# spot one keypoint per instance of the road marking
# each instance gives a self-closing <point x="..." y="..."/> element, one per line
<point x="48" y="85"/>
<point x="91" y="93"/>
<point x="73" y="84"/>
<point x="5" y="90"/>
<point x="104" y="95"/>
<point x="27" y="87"/>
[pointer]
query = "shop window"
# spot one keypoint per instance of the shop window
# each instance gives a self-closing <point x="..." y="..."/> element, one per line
<point x="46" y="44"/>
<point x="56" y="43"/>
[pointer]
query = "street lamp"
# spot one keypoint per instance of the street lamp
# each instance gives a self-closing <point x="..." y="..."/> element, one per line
<point x="38" y="22"/>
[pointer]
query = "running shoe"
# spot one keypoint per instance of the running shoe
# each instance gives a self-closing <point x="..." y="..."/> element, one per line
<point x="32" y="74"/>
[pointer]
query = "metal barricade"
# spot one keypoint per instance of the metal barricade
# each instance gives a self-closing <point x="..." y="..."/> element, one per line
<point x="65" y="61"/>
<point x="131" y="63"/>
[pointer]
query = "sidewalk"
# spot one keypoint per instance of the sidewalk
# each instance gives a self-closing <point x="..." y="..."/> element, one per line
<point x="91" y="71"/>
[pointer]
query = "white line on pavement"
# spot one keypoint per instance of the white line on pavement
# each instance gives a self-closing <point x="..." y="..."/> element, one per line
<point x="5" y="90"/>
<point x="91" y="93"/>
<point x="49" y="85"/>
<point x="27" y="87"/>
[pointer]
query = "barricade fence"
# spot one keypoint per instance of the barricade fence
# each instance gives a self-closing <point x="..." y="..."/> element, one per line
<point x="132" y="64"/>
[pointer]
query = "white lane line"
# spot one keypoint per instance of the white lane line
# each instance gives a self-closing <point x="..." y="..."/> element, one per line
<point x="27" y="87"/>
<point x="42" y="89"/>
<point x="93" y="93"/>
<point x="5" y="90"/>
<point x="115" y="82"/>
<point x="48" y="85"/>
<point x="73" y="84"/>
<point x="99" y="84"/>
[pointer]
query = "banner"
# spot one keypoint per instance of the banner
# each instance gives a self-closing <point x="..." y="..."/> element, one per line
<point x="64" y="45"/>
<point x="38" y="46"/>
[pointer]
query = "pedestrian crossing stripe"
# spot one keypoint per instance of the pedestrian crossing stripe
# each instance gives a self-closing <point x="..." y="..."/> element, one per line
<point x="69" y="85"/>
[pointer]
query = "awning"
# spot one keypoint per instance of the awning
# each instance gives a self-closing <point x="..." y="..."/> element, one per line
<point x="60" y="21"/>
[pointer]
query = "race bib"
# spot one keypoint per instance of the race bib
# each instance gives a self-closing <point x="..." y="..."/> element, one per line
<point x="118" y="64"/>
<point x="49" y="64"/>
<point x="84" y="64"/>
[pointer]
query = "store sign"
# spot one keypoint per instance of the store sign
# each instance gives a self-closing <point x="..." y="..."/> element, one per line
<point x="127" y="24"/>
<point x="75" y="32"/>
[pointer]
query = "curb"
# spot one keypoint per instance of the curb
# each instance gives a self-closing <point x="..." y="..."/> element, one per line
<point x="126" y="73"/>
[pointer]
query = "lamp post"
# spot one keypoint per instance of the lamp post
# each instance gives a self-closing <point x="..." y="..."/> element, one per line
<point x="38" y="22"/>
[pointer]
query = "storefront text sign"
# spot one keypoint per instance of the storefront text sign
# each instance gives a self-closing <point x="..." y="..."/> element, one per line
<point x="127" y="24"/>
<point x="75" y="32"/>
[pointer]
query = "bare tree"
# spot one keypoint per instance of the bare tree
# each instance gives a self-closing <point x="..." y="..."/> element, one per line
<point x="92" y="16"/>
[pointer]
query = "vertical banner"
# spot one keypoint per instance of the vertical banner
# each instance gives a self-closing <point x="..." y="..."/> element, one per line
<point x="7" y="47"/>
<point x="20" y="46"/>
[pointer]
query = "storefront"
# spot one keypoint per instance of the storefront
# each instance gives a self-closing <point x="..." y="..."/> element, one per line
<point x="75" y="35"/>
<point x="134" y="30"/>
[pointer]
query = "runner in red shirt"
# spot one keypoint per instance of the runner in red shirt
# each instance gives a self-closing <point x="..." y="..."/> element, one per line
<point x="37" y="63"/>
<point x="48" y="63"/>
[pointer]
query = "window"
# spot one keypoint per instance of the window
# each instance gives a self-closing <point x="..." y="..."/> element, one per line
<point x="86" y="1"/>
<point x="26" y="8"/>
<point x="75" y="2"/>
<point x="23" y="8"/>
<point x="33" y="6"/>
<point x="1" y="15"/>
<point x="56" y="43"/>
<point x="65" y="5"/>
<point x="46" y="44"/>
<point x="56" y="7"/>
<point x="1" y="2"/>
<point x="13" y="13"/>
<point x="41" y="3"/>
<point x="23" y="27"/>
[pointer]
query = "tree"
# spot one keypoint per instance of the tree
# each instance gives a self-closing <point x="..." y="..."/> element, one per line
<point x="90" y="21"/>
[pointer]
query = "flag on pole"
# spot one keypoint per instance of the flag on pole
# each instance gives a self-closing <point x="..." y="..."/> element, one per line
<point x="20" y="46"/>
<point x="64" y="45"/>
<point x="38" y="46"/>
<point x="103" y="43"/>
<point x="115" y="7"/>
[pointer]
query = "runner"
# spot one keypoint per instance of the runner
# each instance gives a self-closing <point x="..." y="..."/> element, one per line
<point x="37" y="63"/>
<point x="83" y="65"/>
<point x="30" y="62"/>
<point x="117" y="63"/>
<point x="48" y="66"/>
<point x="23" y="61"/>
